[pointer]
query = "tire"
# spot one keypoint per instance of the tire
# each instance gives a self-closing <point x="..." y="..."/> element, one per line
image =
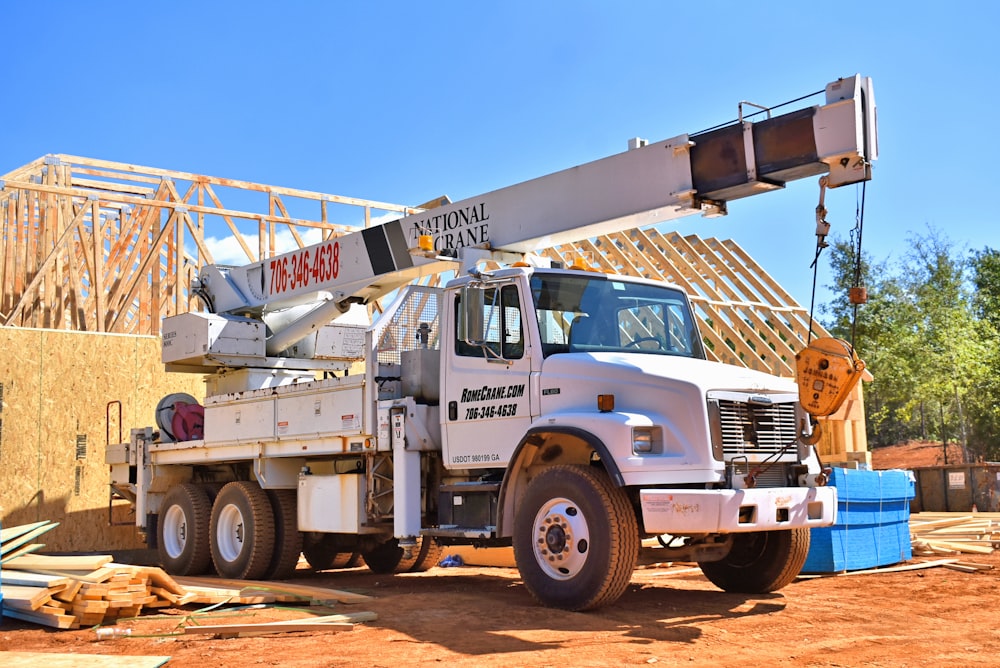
<point x="323" y="553"/>
<point x="425" y="555"/>
<point x="576" y="539"/>
<point x="430" y="555"/>
<point x="182" y="531"/>
<point x="319" y="550"/>
<point x="384" y="558"/>
<point x="242" y="531"/>
<point x="213" y="489"/>
<point x="345" y="560"/>
<point x="287" y="539"/>
<point x="760" y="562"/>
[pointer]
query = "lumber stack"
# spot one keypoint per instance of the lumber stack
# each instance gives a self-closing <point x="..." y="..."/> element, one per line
<point x="934" y="533"/>
<point x="69" y="592"/>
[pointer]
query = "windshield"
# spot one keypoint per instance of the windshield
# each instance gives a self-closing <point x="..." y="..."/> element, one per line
<point x="604" y="314"/>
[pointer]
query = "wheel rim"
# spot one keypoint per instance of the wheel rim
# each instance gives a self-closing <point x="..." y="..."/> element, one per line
<point x="174" y="532"/>
<point x="562" y="539"/>
<point x="230" y="533"/>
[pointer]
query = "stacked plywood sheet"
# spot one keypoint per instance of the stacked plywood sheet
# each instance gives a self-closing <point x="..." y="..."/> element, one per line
<point x="954" y="533"/>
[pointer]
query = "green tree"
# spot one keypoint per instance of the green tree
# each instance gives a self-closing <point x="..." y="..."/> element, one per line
<point x="986" y="279"/>
<point x="883" y="332"/>
<point x="951" y="349"/>
<point x="922" y="340"/>
<point x="982" y="404"/>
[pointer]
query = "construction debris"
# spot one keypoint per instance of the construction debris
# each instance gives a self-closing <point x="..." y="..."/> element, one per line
<point x="70" y="592"/>
<point x="67" y="592"/>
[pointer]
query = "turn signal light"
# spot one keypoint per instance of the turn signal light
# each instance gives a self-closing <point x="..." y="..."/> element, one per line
<point x="605" y="402"/>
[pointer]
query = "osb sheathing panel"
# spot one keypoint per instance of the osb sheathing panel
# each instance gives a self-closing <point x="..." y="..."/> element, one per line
<point x="57" y="388"/>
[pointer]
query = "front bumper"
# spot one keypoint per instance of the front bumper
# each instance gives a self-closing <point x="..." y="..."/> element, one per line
<point x="690" y="511"/>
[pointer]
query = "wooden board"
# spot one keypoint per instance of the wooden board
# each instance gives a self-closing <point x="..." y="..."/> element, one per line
<point x="42" y="562"/>
<point x="13" y="544"/>
<point x="306" y="592"/>
<point x="21" y="597"/>
<point x="13" y="532"/>
<point x="54" y="660"/>
<point x="248" y="630"/>
<point x="55" y="621"/>
<point x="29" y="579"/>
<point x="27" y="549"/>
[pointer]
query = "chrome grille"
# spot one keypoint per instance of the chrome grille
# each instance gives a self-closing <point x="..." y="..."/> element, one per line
<point x="752" y="429"/>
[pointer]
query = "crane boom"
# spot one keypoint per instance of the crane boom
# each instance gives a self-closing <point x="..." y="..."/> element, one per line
<point x="649" y="184"/>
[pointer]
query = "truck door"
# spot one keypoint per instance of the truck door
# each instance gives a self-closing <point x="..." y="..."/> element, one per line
<point x="487" y="408"/>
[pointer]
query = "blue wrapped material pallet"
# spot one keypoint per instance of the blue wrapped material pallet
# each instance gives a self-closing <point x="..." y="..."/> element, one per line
<point x="873" y="523"/>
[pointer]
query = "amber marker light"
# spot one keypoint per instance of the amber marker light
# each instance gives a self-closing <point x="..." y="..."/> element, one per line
<point x="605" y="402"/>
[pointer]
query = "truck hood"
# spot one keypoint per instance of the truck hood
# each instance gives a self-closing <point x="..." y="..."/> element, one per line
<point x="658" y="370"/>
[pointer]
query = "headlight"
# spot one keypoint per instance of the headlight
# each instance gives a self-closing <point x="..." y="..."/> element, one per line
<point x="646" y="440"/>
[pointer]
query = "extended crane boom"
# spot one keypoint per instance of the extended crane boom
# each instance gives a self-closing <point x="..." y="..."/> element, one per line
<point x="640" y="187"/>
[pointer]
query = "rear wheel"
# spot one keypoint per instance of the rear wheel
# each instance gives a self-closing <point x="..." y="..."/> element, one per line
<point x="319" y="551"/>
<point x="760" y="561"/>
<point x="345" y="560"/>
<point x="242" y="531"/>
<point x="426" y="554"/>
<point x="576" y="539"/>
<point x="384" y="558"/>
<point x="182" y="540"/>
<point x="324" y="552"/>
<point x="287" y="539"/>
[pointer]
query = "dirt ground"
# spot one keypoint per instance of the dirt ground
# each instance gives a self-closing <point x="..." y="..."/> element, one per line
<point x="915" y="454"/>
<point x="670" y="615"/>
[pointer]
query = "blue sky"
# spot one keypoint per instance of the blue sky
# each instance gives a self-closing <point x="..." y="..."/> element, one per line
<point x="404" y="101"/>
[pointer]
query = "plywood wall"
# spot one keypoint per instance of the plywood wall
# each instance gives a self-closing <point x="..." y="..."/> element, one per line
<point x="56" y="391"/>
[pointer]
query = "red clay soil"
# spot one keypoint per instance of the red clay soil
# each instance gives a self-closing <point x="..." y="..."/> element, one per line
<point x="671" y="615"/>
<point x="915" y="454"/>
<point x="476" y="616"/>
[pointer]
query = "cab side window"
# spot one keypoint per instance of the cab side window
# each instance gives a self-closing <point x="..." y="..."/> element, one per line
<point x="502" y="323"/>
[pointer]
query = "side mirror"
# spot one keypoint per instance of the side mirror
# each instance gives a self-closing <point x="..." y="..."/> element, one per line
<point x="471" y="320"/>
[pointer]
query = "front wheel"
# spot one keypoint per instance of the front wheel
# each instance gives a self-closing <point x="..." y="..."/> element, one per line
<point x="760" y="561"/>
<point x="576" y="539"/>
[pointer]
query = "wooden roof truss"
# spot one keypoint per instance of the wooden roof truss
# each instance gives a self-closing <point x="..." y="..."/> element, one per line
<point x="93" y="245"/>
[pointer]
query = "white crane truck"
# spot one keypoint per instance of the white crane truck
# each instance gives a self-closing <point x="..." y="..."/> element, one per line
<point x="566" y="412"/>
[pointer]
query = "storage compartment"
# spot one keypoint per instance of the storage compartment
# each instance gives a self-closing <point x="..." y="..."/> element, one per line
<point x="469" y="505"/>
<point x="196" y="338"/>
<point x="331" y="503"/>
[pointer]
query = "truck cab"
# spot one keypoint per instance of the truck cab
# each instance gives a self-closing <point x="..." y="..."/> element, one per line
<point x="599" y="384"/>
